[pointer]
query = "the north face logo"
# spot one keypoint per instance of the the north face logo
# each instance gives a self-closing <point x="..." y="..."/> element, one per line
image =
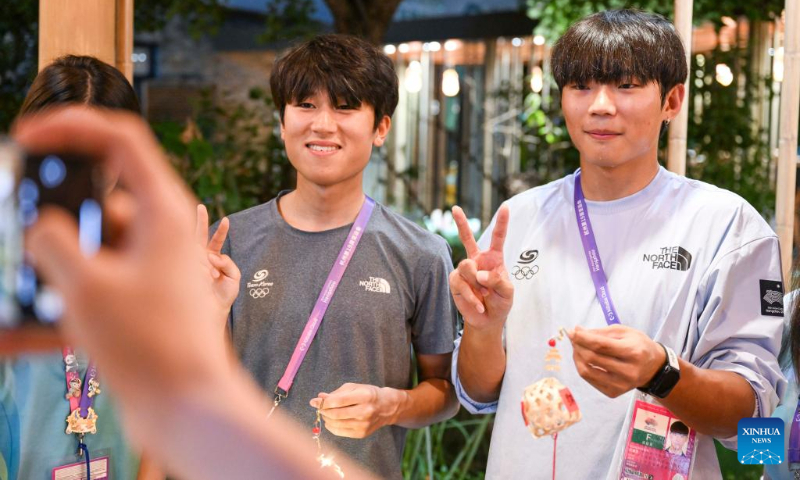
<point x="375" y="284"/>
<point x="671" y="258"/>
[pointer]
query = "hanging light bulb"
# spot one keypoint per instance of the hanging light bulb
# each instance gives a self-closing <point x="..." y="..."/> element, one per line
<point x="537" y="81"/>
<point x="538" y="40"/>
<point x="777" y="65"/>
<point x="413" y="80"/>
<point x="724" y="75"/>
<point x="451" y="45"/>
<point x="450" y="86"/>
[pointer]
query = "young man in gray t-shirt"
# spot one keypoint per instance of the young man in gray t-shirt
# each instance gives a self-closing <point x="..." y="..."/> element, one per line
<point x="336" y="95"/>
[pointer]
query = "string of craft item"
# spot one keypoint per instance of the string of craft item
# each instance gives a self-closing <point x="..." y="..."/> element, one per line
<point x="325" y="461"/>
<point x="548" y="406"/>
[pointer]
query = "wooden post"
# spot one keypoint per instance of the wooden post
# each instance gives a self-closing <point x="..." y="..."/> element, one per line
<point x="787" y="143"/>
<point x="123" y="39"/>
<point x="100" y="28"/>
<point x="676" y="153"/>
<point x="490" y="67"/>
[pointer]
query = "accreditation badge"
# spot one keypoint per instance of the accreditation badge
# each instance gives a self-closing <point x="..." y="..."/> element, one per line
<point x="75" y="469"/>
<point x="659" y="445"/>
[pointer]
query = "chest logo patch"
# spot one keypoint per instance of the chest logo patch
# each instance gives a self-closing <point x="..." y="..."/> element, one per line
<point x="669" y="258"/>
<point x="525" y="269"/>
<point x="376" y="284"/>
<point x="258" y="287"/>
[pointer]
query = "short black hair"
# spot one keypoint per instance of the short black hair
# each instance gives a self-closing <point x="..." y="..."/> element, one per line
<point x="679" y="427"/>
<point x="83" y="80"/>
<point x="617" y="45"/>
<point x="348" y="68"/>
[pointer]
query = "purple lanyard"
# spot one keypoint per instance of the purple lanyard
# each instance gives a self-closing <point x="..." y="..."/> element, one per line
<point x="324" y="299"/>
<point x="794" y="438"/>
<point x="593" y="255"/>
<point x="74" y="385"/>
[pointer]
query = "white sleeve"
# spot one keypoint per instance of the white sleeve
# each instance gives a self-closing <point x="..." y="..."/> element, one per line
<point x="740" y="321"/>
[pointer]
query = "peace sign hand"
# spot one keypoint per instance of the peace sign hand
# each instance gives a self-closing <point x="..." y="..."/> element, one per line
<point x="480" y="285"/>
<point x="224" y="273"/>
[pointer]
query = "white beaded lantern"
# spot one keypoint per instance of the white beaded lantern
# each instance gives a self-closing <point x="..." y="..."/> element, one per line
<point x="548" y="407"/>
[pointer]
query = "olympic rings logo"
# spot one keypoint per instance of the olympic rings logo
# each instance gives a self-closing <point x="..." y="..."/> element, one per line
<point x="259" y="292"/>
<point x="524" y="273"/>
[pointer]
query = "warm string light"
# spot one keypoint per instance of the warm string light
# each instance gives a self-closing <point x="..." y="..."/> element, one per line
<point x="724" y="75"/>
<point x="413" y="79"/>
<point x="537" y="79"/>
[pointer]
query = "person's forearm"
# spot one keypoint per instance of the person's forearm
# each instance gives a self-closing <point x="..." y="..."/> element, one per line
<point x="431" y="401"/>
<point x="482" y="363"/>
<point x="711" y="401"/>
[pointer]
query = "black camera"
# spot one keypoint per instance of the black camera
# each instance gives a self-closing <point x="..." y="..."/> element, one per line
<point x="29" y="182"/>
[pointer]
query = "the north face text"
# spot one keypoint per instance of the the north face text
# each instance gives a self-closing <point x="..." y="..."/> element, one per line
<point x="672" y="258"/>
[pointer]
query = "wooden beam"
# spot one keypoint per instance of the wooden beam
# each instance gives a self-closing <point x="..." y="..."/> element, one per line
<point x="100" y="28"/>
<point x="787" y="143"/>
<point x="676" y="157"/>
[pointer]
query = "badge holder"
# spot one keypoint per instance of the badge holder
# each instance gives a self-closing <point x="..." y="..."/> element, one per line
<point x="658" y="444"/>
<point x="73" y="467"/>
<point x="547" y="405"/>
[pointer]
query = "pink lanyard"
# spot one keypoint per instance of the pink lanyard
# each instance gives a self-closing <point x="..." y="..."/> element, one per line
<point x="324" y="299"/>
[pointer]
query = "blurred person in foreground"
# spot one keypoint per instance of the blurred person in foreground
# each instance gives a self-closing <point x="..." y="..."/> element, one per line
<point x="143" y="308"/>
<point x="39" y="391"/>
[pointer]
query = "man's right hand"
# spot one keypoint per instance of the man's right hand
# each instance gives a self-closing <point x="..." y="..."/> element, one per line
<point x="480" y="285"/>
<point x="224" y="274"/>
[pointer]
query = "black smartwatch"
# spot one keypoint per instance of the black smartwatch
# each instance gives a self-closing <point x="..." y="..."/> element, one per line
<point x="666" y="378"/>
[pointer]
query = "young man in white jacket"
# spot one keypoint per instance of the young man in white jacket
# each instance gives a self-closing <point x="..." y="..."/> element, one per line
<point x="665" y="284"/>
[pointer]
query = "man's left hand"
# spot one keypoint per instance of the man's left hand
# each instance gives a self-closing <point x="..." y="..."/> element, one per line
<point x="356" y="411"/>
<point x="615" y="359"/>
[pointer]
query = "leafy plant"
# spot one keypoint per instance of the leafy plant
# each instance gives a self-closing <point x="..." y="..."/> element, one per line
<point x="231" y="157"/>
<point x="19" y="35"/>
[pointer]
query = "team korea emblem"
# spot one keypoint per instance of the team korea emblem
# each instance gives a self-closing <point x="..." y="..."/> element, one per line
<point x="259" y="287"/>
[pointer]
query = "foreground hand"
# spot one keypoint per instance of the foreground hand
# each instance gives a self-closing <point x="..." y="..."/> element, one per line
<point x="130" y="305"/>
<point x="224" y="273"/>
<point x="481" y="287"/>
<point x="356" y="411"/>
<point x="615" y="359"/>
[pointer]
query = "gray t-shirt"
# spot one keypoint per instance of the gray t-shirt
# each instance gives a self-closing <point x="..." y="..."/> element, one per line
<point x="393" y="295"/>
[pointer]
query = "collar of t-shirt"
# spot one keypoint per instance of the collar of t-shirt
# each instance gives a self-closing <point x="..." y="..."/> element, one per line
<point x="620" y="205"/>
